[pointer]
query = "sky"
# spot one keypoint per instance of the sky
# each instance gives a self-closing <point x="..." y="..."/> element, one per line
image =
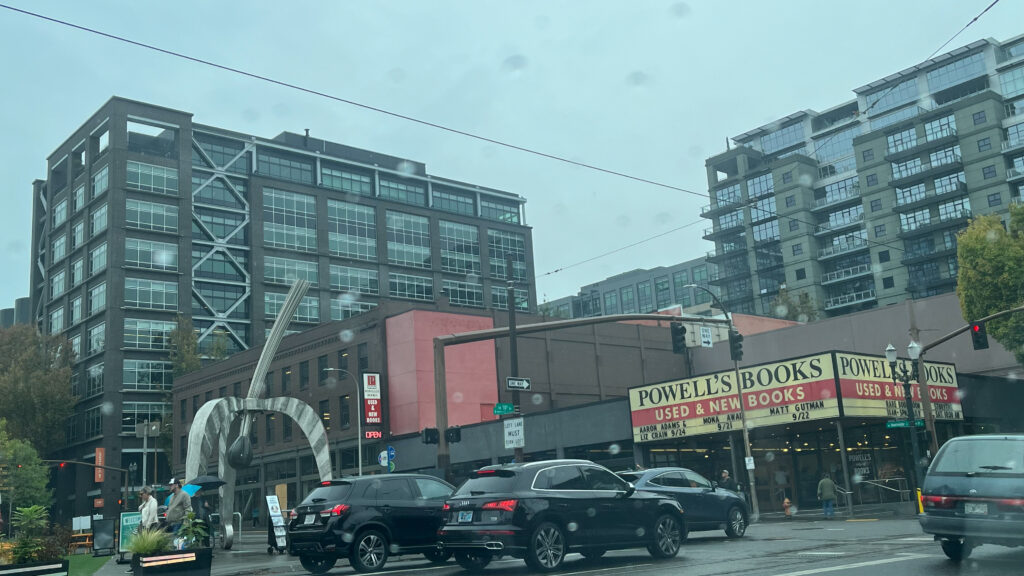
<point x="647" y="88"/>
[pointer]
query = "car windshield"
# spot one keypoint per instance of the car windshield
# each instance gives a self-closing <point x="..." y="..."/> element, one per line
<point x="633" y="477"/>
<point x="996" y="456"/>
<point x="330" y="493"/>
<point x="487" y="482"/>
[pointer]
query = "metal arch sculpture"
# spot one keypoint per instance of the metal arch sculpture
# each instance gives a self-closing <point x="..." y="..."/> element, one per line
<point x="215" y="420"/>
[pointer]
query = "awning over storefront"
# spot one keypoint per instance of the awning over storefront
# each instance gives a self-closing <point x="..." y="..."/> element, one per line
<point x="815" y="387"/>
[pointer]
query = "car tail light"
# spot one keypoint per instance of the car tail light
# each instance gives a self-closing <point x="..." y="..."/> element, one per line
<point x="325" y="483"/>
<point x="941" y="502"/>
<point x="1012" y="502"/>
<point x="293" y="515"/>
<point x="507" y="505"/>
<point x="446" y="507"/>
<point x="338" y="510"/>
<point x="481" y="472"/>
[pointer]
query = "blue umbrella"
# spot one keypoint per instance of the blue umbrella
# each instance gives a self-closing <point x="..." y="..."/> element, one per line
<point x="189" y="489"/>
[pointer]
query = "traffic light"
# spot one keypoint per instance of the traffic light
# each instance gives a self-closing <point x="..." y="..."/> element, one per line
<point x="453" y="435"/>
<point x="431" y="436"/>
<point x="978" y="336"/>
<point x="62" y="464"/>
<point x="735" y="345"/>
<point x="678" y="337"/>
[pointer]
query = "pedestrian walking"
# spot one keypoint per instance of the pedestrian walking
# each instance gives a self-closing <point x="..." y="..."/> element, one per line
<point x="726" y="481"/>
<point x="255" y="515"/>
<point x="148" y="520"/>
<point x="180" y="505"/>
<point x="827" y="495"/>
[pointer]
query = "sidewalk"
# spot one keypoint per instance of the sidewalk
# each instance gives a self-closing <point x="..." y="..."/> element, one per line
<point x="895" y="510"/>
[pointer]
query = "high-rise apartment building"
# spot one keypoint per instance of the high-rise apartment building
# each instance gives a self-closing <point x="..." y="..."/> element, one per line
<point x="145" y="215"/>
<point x="860" y="205"/>
<point x="639" y="291"/>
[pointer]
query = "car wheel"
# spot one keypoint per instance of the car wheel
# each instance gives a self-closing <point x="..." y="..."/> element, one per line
<point x="668" y="536"/>
<point x="546" y="549"/>
<point x="956" y="549"/>
<point x="735" y="523"/>
<point x="438" y="556"/>
<point x="317" y="564"/>
<point x="593" y="553"/>
<point x="369" y="551"/>
<point x="473" y="560"/>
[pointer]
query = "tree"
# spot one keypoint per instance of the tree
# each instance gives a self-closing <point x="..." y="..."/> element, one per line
<point x="184" y="353"/>
<point x="800" y="310"/>
<point x="991" y="275"/>
<point x="23" y="476"/>
<point x="35" y="386"/>
<point x="219" y="346"/>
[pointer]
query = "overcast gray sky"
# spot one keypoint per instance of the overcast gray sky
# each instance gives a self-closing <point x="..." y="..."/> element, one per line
<point x="644" y="87"/>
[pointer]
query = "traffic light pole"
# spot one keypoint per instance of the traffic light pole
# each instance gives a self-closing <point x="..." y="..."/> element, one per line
<point x="513" y="346"/>
<point x="124" y="474"/>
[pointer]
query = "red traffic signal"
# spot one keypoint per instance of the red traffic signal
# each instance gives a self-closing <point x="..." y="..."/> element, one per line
<point x="979" y="337"/>
<point x="62" y="464"/>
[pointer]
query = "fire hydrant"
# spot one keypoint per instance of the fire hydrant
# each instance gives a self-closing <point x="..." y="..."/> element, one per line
<point x="786" y="504"/>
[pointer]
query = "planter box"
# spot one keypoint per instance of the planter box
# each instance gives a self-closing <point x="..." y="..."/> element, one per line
<point x="191" y="562"/>
<point x="36" y="568"/>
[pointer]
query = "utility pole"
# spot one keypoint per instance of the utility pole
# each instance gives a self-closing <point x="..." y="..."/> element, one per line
<point x="513" y="345"/>
<point x="922" y="384"/>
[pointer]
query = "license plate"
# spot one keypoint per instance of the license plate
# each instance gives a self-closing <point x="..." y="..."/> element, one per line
<point x="973" y="508"/>
<point x="466" y="516"/>
<point x="309" y="519"/>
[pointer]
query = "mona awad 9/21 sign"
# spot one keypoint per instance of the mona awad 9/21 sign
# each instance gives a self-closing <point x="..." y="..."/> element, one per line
<point x="867" y="388"/>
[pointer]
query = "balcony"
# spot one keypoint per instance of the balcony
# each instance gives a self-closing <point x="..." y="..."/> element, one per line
<point x="725" y="250"/>
<point x="846" y="274"/>
<point x="1014" y="174"/>
<point x="722" y="206"/>
<point x="910" y="175"/>
<point x="848" y="195"/>
<point x="1013" y="145"/>
<point x="921" y="256"/>
<point x="951" y="220"/>
<point x="929" y="285"/>
<point x="846" y="248"/>
<point x="720" y="277"/>
<point x="850" y="299"/>
<point x="831" y="227"/>
<point x="733" y="226"/>
<point x="944" y="137"/>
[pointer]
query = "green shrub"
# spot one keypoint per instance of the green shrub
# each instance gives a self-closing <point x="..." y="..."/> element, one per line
<point x="150" y="542"/>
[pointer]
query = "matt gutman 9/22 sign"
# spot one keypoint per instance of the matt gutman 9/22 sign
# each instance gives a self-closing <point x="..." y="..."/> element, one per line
<point x="795" y="390"/>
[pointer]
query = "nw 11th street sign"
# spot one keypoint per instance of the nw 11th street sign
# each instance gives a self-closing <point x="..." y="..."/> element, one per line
<point x="904" y="424"/>
<point x="503" y="408"/>
<point x="517" y="383"/>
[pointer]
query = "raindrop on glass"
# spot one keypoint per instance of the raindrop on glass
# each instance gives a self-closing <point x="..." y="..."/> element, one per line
<point x="781" y="310"/>
<point x="769" y="457"/>
<point x="637" y="78"/>
<point x="826" y="394"/>
<point x="992" y="235"/>
<point x="681" y="9"/>
<point x="857" y="478"/>
<point x="393" y="548"/>
<point x="457" y="397"/>
<point x="346" y="536"/>
<point x="537" y="399"/>
<point x="515" y="63"/>
<point x="406" y="167"/>
<point x="572" y="526"/>
<point x="107" y="408"/>
<point x="805" y="180"/>
<point x="346" y="335"/>
<point x="331" y="382"/>
<point x="622" y="220"/>
<point x="802" y="318"/>
<point x="793" y="509"/>
<point x="591" y="512"/>
<point x="614" y="449"/>
<point x="640" y="532"/>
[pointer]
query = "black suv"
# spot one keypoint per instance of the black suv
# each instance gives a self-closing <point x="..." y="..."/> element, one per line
<point x="367" y="518"/>
<point x="974" y="493"/>
<point x="541" y="511"/>
<point x="708" y="506"/>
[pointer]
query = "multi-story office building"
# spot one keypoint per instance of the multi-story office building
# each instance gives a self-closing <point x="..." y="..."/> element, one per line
<point x="145" y="215"/>
<point x="860" y="205"/>
<point x="639" y="291"/>
<point x="19" y="314"/>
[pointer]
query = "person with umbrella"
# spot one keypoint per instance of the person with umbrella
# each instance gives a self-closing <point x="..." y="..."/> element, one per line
<point x="180" y="505"/>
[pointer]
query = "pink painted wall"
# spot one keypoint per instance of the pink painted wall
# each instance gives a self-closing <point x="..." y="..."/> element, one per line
<point x="471" y="370"/>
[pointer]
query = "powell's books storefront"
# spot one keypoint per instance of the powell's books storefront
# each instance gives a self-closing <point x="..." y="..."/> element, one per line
<point x="798" y="412"/>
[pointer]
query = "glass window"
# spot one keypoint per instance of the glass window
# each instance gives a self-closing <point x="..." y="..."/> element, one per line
<point x="454" y="201"/>
<point x="872" y="180"/>
<point x="890" y="97"/>
<point x="908" y="168"/>
<point x="979" y="118"/>
<point x="147" y="334"/>
<point x="560" y="478"/>
<point x="277" y="166"/>
<point x="77" y="272"/>
<point x="988" y="172"/>
<point x="98" y="220"/>
<point x="94" y="380"/>
<point x="646" y="300"/>
<point x="696" y="480"/>
<point x="903" y="140"/>
<point x="730" y="194"/>
<point x="464" y="293"/>
<point x="794" y="225"/>
<point x="355" y="280"/>
<point x="78" y="198"/>
<point x="352" y="230"/>
<point x="347" y="181"/>
<point x="764" y="208"/>
<point x="57" y="284"/>
<point x="782" y="138"/>
<point x="798" y="249"/>
<point x="760" y="186"/>
<point x="876" y="204"/>
<point x="499" y="298"/>
<point x="767" y="231"/>
<point x="151" y="216"/>
<point x="286" y="271"/>
<point x="662" y="292"/>
<point x="77" y="234"/>
<point x="940" y="128"/>
<point x="867" y="155"/>
<point x="57" y="320"/>
<point x="152" y="178"/>
<point x="894" y="118"/>
<point x="150" y="255"/>
<point x="1012" y="82"/>
<point x="133" y="413"/>
<point x="956" y="72"/>
<point x="408" y="238"/>
<point x="460" y="248"/>
<point x="432" y="489"/>
<point x="60" y="212"/>
<point x="269" y="426"/>
<point x="914" y="220"/>
<point x="308" y="310"/>
<point x="500" y="245"/>
<point x="218" y="191"/>
<point x="97" y="337"/>
<point x="289" y="220"/>
<point x="628" y="300"/>
<point x="908" y="195"/>
<point x="148" y="375"/>
<point x="836" y="152"/>
<point x="801" y="274"/>
<point x="790" y="201"/>
<point x="498" y="210"/>
<point x="304" y="375"/>
<point x="100" y="181"/>
<point x="787" y="177"/>
<point x="404" y="192"/>
<point x="888" y="282"/>
<point x="601" y="479"/>
<point x="412" y="287"/>
<point x="150" y="294"/>
<point x="611" y="302"/>
<point x="344" y="307"/>
<point x="98" y="298"/>
<point x="76" y="310"/>
<point x="221" y="151"/>
<point x="950" y="183"/>
<point x="984" y="144"/>
<point x="945" y="156"/>
<point x="959" y="208"/>
<point x="879" y="230"/>
<point x="883" y="256"/>
<point x="995" y="199"/>
<point x="76" y="351"/>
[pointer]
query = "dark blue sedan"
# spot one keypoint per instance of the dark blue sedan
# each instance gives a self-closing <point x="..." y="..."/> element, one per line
<point x="707" y="506"/>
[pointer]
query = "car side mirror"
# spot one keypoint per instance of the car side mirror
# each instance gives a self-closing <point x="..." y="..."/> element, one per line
<point x="630" y="490"/>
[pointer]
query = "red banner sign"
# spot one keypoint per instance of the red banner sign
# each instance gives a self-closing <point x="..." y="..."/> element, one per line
<point x="101" y="460"/>
<point x="371" y="411"/>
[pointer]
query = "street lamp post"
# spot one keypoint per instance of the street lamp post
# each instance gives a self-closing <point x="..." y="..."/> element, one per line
<point x="359" y="416"/>
<point x="756" y="512"/>
<point x="904" y="376"/>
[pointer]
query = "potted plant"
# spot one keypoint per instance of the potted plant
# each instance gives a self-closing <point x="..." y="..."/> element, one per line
<point x="145" y="543"/>
<point x="156" y="552"/>
<point x="36" y="544"/>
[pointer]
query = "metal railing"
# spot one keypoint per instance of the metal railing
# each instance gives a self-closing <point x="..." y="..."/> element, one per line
<point x="843" y="248"/>
<point x="845" y="273"/>
<point x="847" y="194"/>
<point x="851" y="298"/>
<point x="832" y="226"/>
<point x="1011" y="144"/>
<point x="882" y="491"/>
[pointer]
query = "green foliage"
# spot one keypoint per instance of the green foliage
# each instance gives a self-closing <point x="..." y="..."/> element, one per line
<point x="800" y="310"/>
<point x="27" y="485"/>
<point x="193" y="530"/>
<point x="30" y="525"/>
<point x="219" y="346"/>
<point x="35" y="384"/>
<point x="184" y="353"/>
<point x="150" y="542"/>
<point x="991" y="276"/>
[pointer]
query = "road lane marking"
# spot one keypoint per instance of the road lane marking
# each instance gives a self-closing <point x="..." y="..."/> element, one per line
<point x="631" y="566"/>
<point x="918" y="539"/>
<point x="822" y="553"/>
<point x="862" y="519"/>
<point x="812" y="571"/>
<point x="423" y="569"/>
